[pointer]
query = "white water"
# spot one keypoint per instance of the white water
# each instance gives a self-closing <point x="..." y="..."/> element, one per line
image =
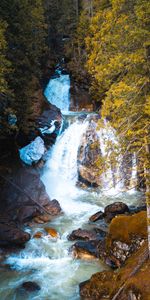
<point x="57" y="92"/>
<point x="47" y="261"/>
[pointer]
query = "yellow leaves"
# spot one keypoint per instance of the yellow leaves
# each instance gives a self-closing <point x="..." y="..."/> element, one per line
<point x="147" y="106"/>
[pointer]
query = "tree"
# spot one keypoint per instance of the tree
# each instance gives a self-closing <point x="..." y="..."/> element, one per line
<point x="25" y="35"/>
<point x="119" y="62"/>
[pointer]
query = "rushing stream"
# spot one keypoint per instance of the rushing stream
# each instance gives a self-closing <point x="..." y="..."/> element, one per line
<point x="48" y="261"/>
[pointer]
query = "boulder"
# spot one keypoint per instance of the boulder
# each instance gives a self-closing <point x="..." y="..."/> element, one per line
<point x="49" y="123"/>
<point x="115" y="209"/>
<point x="33" y="152"/>
<point x="97" y="216"/>
<point x="129" y="282"/>
<point x="26" y="213"/>
<point x="14" y="201"/>
<point x="54" y="208"/>
<point x="126" y="235"/>
<point x="30" y="286"/>
<point x="86" y="249"/>
<point x="88" y="155"/>
<point x="10" y="235"/>
<point x="82" y="234"/>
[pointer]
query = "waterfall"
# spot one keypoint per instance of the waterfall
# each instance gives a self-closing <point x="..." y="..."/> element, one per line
<point x="47" y="261"/>
<point x="57" y="91"/>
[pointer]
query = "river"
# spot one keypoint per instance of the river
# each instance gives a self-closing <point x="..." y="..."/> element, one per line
<point x="48" y="261"/>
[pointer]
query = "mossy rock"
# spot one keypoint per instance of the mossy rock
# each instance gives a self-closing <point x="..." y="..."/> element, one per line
<point x="123" y="228"/>
<point x="133" y="278"/>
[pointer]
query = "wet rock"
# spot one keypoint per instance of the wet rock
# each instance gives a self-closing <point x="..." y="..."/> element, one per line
<point x="43" y="218"/>
<point x="38" y="235"/>
<point x="88" y="155"/>
<point x="26" y="213"/>
<point x="82" y="234"/>
<point x="126" y="235"/>
<point x="13" y="200"/>
<point x="85" y="250"/>
<point x="98" y="287"/>
<point x="136" y="209"/>
<point x="133" y="279"/>
<point x="115" y="209"/>
<point x="52" y="232"/>
<point x="46" y="120"/>
<point x="30" y="286"/>
<point x="11" y="235"/>
<point x="33" y="152"/>
<point x="54" y="208"/>
<point x="97" y="216"/>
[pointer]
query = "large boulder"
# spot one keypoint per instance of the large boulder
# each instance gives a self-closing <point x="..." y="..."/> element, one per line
<point x="10" y="235"/>
<point x="33" y="152"/>
<point x="82" y="234"/>
<point x="130" y="282"/>
<point x="114" y="209"/>
<point x="49" y="123"/>
<point x="87" y="249"/>
<point x="88" y="155"/>
<point x="19" y="198"/>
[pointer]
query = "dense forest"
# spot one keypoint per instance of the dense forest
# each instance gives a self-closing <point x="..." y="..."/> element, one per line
<point x="106" y="47"/>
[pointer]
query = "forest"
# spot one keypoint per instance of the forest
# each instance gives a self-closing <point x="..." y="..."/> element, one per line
<point x="104" y="46"/>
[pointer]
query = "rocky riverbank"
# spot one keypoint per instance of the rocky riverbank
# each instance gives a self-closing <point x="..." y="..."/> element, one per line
<point x="119" y="238"/>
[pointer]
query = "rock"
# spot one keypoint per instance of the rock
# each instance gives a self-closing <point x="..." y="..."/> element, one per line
<point x="126" y="235"/>
<point x="52" y="232"/>
<point x="115" y="209"/>
<point x="133" y="278"/>
<point x="33" y="152"/>
<point x="30" y="286"/>
<point x="54" y="208"/>
<point x="38" y="235"/>
<point x="42" y="219"/>
<point x="10" y="235"/>
<point x="97" y="216"/>
<point x="49" y="123"/>
<point x="88" y="155"/>
<point x="14" y="201"/>
<point x="26" y="213"/>
<point x="80" y="234"/>
<point x="98" y="287"/>
<point x="85" y="250"/>
<point x="136" y="209"/>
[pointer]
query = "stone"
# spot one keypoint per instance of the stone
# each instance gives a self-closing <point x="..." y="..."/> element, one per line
<point x="15" y="201"/>
<point x="52" y="232"/>
<point x="38" y="235"/>
<point x="97" y="216"/>
<point x="53" y="207"/>
<point x="10" y="235"/>
<point x="33" y="152"/>
<point x="82" y="234"/>
<point x="115" y="209"/>
<point x="30" y="286"/>
<point x="88" y="155"/>
<point x="26" y="213"/>
<point x="85" y="250"/>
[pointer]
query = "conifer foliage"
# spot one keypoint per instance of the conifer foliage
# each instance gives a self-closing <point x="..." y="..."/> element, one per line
<point x="23" y="31"/>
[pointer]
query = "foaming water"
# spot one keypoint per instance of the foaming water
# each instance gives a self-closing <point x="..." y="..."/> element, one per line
<point x="57" y="91"/>
<point x="48" y="261"/>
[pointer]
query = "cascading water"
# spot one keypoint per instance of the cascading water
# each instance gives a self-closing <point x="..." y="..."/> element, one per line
<point x="57" y="91"/>
<point x="47" y="261"/>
